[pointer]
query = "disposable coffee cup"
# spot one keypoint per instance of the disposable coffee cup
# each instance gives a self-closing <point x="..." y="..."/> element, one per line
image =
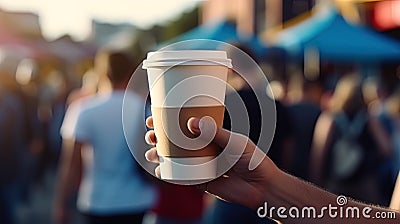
<point x="185" y="84"/>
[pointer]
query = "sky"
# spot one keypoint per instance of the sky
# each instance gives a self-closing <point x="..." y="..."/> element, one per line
<point x="58" y="17"/>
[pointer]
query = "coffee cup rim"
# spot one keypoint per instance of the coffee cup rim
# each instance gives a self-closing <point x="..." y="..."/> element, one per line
<point x="187" y="57"/>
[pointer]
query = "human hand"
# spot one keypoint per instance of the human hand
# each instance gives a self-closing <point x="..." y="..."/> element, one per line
<point x="240" y="184"/>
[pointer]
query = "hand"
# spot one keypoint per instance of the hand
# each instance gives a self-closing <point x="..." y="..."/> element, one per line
<point x="240" y="184"/>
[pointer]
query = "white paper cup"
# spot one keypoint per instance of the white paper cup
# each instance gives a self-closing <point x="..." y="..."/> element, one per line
<point x="184" y="84"/>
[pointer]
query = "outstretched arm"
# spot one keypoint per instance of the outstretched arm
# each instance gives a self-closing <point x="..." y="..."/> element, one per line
<point x="272" y="192"/>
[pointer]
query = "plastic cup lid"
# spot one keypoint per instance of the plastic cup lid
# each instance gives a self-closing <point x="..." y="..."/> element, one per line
<point x="186" y="57"/>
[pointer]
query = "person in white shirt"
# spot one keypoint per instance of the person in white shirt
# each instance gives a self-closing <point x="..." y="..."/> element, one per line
<point x="96" y="156"/>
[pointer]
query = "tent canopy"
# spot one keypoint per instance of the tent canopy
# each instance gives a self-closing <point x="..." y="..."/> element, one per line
<point x="336" y="39"/>
<point x="221" y="31"/>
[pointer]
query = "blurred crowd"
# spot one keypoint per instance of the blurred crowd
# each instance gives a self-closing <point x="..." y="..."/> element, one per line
<point x="340" y="131"/>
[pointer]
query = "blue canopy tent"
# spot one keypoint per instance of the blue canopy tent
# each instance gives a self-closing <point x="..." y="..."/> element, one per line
<point x="337" y="40"/>
<point x="222" y="31"/>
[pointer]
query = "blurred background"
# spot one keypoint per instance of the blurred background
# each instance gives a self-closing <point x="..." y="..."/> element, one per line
<point x="48" y="49"/>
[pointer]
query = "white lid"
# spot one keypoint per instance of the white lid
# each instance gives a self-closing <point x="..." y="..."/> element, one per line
<point x="186" y="57"/>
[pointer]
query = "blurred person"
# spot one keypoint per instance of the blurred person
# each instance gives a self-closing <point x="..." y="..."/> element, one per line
<point x="26" y="77"/>
<point x="349" y="145"/>
<point x="267" y="190"/>
<point x="13" y="145"/>
<point x="329" y="84"/>
<point x="90" y="81"/>
<point x="303" y="115"/>
<point x="329" y="77"/>
<point x="389" y="116"/>
<point x="94" y="80"/>
<point x="96" y="156"/>
<point x="375" y="93"/>
<point x="54" y="93"/>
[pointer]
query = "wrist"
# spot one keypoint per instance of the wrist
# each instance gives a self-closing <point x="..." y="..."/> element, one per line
<point x="272" y="176"/>
<point x="272" y="173"/>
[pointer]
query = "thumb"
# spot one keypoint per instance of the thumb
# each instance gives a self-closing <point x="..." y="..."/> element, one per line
<point x="235" y="143"/>
<point x="207" y="125"/>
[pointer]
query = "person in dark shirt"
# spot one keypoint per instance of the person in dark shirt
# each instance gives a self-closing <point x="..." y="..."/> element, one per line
<point x="303" y="116"/>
